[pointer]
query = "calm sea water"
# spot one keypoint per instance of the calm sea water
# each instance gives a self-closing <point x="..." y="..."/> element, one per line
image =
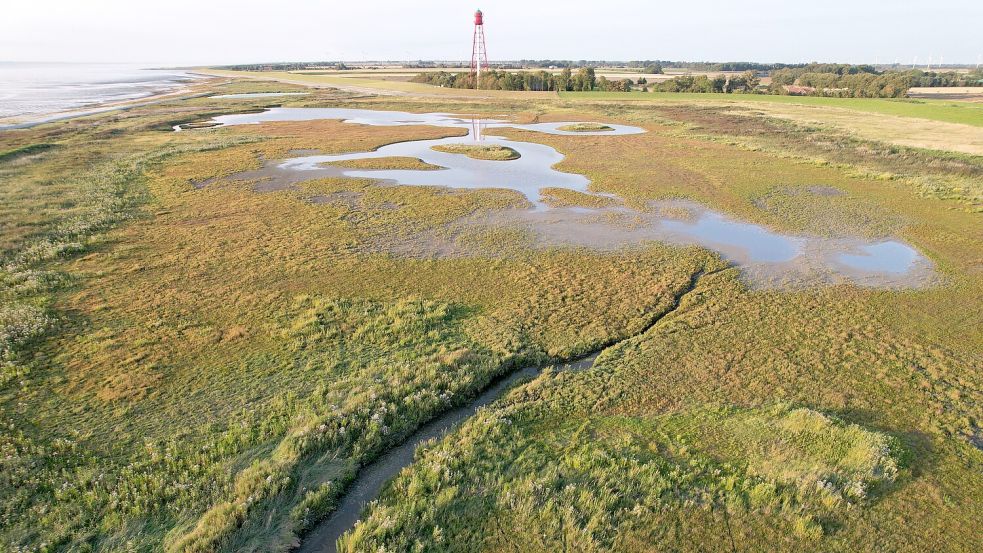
<point x="31" y="90"/>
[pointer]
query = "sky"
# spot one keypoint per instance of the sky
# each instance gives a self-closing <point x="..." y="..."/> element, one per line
<point x="192" y="32"/>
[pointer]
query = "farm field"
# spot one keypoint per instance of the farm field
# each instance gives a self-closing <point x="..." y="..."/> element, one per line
<point x="198" y="353"/>
<point x="366" y="84"/>
<point x="967" y="113"/>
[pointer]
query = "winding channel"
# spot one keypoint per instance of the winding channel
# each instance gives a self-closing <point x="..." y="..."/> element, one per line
<point x="371" y="478"/>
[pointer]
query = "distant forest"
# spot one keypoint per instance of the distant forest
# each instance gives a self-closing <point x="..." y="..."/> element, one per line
<point x="835" y="80"/>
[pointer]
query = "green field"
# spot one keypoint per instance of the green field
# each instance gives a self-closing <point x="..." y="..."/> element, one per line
<point x="966" y="113"/>
<point x="188" y="363"/>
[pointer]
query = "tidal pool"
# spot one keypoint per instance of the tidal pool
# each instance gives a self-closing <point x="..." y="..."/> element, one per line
<point x="890" y="257"/>
<point x="758" y="243"/>
<point x="766" y="255"/>
<point x="529" y="173"/>
<point x="399" y="118"/>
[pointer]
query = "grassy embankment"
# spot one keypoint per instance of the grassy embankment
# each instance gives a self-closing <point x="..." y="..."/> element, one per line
<point x="204" y="369"/>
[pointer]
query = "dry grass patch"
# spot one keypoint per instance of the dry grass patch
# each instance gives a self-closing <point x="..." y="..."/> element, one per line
<point x="904" y="131"/>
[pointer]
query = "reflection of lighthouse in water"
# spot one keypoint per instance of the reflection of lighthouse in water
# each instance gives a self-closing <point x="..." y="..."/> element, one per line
<point x="477" y="126"/>
<point x="479" y="52"/>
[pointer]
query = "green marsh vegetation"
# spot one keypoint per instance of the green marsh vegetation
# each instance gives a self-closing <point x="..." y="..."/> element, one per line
<point x="479" y="151"/>
<point x="586" y="127"/>
<point x="563" y="197"/>
<point x="411" y="163"/>
<point x="199" y="369"/>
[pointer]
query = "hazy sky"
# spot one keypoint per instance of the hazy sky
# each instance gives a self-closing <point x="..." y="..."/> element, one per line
<point x="226" y="31"/>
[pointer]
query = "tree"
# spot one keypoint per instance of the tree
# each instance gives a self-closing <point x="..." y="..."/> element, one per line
<point x="587" y="78"/>
<point x="751" y="81"/>
<point x="718" y="83"/>
<point x="563" y="82"/>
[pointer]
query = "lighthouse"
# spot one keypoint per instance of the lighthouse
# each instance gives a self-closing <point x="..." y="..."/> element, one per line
<point x="479" y="51"/>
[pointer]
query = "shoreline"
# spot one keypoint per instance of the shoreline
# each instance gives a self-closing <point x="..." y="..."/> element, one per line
<point x="184" y="92"/>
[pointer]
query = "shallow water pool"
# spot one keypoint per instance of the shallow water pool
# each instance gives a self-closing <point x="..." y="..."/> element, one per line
<point x="881" y="263"/>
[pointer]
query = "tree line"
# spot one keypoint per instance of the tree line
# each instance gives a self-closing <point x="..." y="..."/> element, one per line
<point x="833" y="80"/>
<point x="746" y="82"/>
<point x="863" y="83"/>
<point x="584" y="79"/>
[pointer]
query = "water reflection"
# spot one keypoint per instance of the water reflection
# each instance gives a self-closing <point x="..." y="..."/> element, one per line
<point x="756" y="248"/>
<point x="477" y="127"/>
<point x="890" y="257"/>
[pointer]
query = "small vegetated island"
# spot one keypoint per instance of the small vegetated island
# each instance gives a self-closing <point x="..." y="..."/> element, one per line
<point x="488" y="152"/>
<point x="586" y="127"/>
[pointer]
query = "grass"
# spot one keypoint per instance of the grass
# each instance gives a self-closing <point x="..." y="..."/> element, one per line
<point x="23" y="151"/>
<point x="410" y="163"/>
<point x="478" y="151"/>
<point x="206" y="369"/>
<point x="586" y="127"/>
<point x="563" y="197"/>
<point x="966" y="113"/>
<point x="599" y="484"/>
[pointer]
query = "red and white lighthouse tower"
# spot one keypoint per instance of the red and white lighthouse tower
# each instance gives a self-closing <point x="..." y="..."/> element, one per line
<point x="479" y="52"/>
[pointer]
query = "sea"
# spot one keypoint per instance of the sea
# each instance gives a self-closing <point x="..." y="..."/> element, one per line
<point x="31" y="91"/>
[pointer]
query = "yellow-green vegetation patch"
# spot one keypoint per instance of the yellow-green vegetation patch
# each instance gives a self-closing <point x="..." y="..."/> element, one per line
<point x="586" y="127"/>
<point x="827" y="211"/>
<point x="249" y="86"/>
<point x="418" y="339"/>
<point x="793" y="445"/>
<point x="396" y="162"/>
<point x="564" y="197"/>
<point x="30" y="149"/>
<point x="600" y="484"/>
<point x="476" y="151"/>
<point x="199" y="125"/>
<point x="676" y="212"/>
